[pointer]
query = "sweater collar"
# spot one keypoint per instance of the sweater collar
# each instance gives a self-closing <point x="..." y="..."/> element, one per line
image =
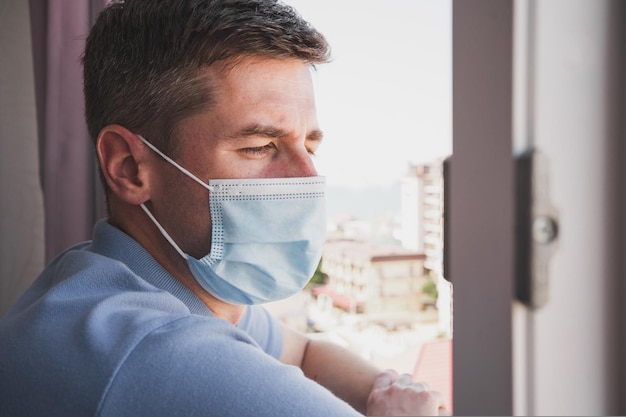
<point x="113" y="243"/>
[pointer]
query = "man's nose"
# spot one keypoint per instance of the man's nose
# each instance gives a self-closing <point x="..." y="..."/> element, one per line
<point x="299" y="164"/>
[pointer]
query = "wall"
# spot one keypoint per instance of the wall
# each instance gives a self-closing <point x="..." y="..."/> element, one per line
<point x="21" y="204"/>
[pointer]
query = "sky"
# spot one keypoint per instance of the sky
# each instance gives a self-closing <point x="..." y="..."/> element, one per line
<point x="385" y="100"/>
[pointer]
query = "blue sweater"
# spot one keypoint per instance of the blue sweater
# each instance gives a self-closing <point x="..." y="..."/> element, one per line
<point x="106" y="331"/>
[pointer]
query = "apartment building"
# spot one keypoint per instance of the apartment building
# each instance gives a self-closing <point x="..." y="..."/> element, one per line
<point x="380" y="282"/>
<point x="422" y="213"/>
<point x="422" y="228"/>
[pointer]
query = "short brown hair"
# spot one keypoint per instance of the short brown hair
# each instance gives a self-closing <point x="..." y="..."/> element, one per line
<point x="143" y="58"/>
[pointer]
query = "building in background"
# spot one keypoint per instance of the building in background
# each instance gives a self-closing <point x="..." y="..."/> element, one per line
<point x="389" y="270"/>
<point x="421" y="212"/>
<point x="422" y="228"/>
<point x="374" y="283"/>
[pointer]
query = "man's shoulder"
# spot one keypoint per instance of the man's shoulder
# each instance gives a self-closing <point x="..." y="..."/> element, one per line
<point x="74" y="327"/>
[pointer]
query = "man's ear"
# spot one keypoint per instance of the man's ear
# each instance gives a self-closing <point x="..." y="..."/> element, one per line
<point x="124" y="163"/>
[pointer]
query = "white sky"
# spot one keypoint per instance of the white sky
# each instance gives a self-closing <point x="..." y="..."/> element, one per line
<point x="385" y="100"/>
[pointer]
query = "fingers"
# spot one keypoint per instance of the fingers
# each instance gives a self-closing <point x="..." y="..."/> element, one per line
<point x="404" y="380"/>
<point x="385" y="379"/>
<point x="439" y="400"/>
<point x="399" y="395"/>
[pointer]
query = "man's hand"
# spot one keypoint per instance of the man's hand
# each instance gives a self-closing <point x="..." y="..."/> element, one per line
<point x="399" y="395"/>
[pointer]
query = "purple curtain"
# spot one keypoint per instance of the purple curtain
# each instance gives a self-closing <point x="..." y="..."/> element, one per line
<point x="73" y="197"/>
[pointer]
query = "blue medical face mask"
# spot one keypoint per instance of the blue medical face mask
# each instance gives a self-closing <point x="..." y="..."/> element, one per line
<point x="267" y="236"/>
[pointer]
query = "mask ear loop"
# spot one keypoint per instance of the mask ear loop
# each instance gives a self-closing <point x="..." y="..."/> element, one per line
<point x="163" y="232"/>
<point x="184" y="171"/>
<point x="176" y="164"/>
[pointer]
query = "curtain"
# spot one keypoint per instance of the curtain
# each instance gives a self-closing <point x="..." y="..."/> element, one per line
<point x="50" y="194"/>
<point x="73" y="197"/>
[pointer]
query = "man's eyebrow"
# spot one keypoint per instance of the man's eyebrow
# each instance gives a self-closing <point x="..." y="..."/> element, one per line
<point x="273" y="132"/>
<point x="315" y="135"/>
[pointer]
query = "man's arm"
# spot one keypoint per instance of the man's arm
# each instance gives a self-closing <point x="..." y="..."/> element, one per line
<point x="358" y="382"/>
<point x="344" y="373"/>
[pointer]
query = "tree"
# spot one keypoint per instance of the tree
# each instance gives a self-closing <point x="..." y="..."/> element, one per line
<point x="319" y="277"/>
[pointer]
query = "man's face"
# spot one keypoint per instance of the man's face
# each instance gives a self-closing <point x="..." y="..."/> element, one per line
<point x="263" y="125"/>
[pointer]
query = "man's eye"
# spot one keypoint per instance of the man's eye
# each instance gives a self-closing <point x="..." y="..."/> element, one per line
<point x="258" y="151"/>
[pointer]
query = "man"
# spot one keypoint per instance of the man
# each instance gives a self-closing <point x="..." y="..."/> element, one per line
<point x="203" y="119"/>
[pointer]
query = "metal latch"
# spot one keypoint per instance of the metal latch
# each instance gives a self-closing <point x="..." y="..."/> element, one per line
<point x="537" y="229"/>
